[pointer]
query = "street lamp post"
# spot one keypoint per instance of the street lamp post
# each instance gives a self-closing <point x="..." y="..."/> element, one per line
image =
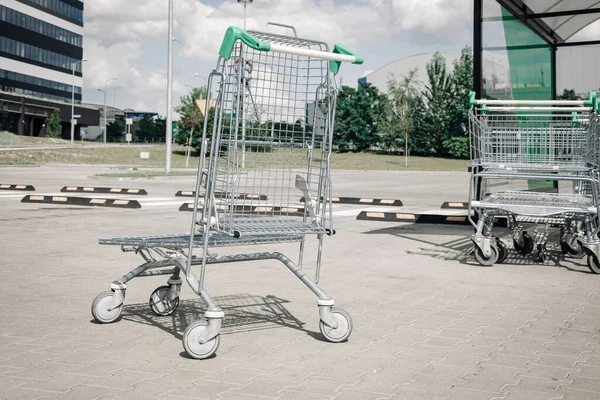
<point x="169" y="133"/>
<point x="104" y="114"/>
<point x="73" y="65"/>
<point x="245" y="2"/>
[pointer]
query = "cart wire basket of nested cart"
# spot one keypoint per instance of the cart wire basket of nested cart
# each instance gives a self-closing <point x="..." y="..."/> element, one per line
<point x="553" y="140"/>
<point x="263" y="178"/>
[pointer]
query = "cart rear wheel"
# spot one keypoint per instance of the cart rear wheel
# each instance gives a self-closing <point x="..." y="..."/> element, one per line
<point x="487" y="261"/>
<point x="100" y="310"/>
<point x="191" y="343"/>
<point x="593" y="263"/>
<point x="160" y="304"/>
<point x="527" y="246"/>
<point x="577" y="249"/>
<point x="344" y="326"/>
<point x="502" y="251"/>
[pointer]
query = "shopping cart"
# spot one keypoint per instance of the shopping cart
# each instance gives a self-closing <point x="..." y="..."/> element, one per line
<point x="534" y="140"/>
<point x="271" y="135"/>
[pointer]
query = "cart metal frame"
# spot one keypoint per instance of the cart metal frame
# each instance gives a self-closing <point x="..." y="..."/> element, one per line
<point x="260" y="77"/>
<point x="535" y="140"/>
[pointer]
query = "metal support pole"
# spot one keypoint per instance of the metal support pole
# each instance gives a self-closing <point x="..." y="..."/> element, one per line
<point x="477" y="48"/>
<point x="104" y="114"/>
<point x="477" y="67"/>
<point x="169" y="133"/>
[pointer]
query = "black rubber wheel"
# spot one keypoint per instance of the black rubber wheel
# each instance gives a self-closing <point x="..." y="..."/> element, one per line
<point x="593" y="263"/>
<point x="565" y="248"/>
<point x="527" y="246"/>
<point x="486" y="262"/>
<point x="160" y="305"/>
<point x="502" y="251"/>
<point x="577" y="250"/>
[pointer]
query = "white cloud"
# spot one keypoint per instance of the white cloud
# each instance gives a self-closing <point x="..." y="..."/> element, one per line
<point x="118" y="34"/>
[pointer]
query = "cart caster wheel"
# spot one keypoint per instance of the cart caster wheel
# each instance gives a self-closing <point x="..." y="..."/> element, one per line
<point x="541" y="256"/>
<point x="344" y="326"/>
<point x="577" y="250"/>
<point x="593" y="263"/>
<point x="100" y="310"/>
<point x="481" y="259"/>
<point x="159" y="303"/>
<point x="502" y="251"/>
<point x="191" y="344"/>
<point x="527" y="245"/>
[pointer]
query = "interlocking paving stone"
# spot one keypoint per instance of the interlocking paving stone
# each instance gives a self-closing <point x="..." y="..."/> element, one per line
<point x="425" y="315"/>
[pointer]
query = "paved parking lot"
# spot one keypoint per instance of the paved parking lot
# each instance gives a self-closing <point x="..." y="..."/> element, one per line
<point x="429" y="323"/>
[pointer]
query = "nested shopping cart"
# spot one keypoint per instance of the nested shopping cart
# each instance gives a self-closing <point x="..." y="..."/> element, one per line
<point x="267" y="145"/>
<point x="535" y="140"/>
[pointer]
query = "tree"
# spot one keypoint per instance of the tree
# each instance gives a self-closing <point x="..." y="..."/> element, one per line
<point x="115" y="129"/>
<point x="438" y="97"/>
<point x="190" y="117"/>
<point x="358" y="117"/>
<point x="403" y="107"/>
<point x="53" y="125"/>
<point x="457" y="144"/>
<point x="568" y="94"/>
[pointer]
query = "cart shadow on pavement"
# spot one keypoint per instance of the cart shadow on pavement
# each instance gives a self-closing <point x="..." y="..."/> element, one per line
<point x="243" y="313"/>
<point x="453" y="243"/>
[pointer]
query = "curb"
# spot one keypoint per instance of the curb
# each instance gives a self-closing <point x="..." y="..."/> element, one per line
<point x="87" y="189"/>
<point x="448" y="205"/>
<point x="242" y="196"/>
<point x="359" y="200"/>
<point x="6" y="186"/>
<point x="82" y="201"/>
<point x="423" y="218"/>
<point x="251" y="209"/>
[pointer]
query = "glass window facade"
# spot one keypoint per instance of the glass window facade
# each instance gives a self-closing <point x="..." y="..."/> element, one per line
<point x="517" y="63"/>
<point x="34" y="93"/>
<point x="32" y="80"/>
<point x="60" y="8"/>
<point x="34" y="53"/>
<point x="33" y="24"/>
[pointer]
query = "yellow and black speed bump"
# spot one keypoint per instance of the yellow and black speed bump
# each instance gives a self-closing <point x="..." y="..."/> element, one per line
<point x="81" y="201"/>
<point x="422" y="218"/>
<point x="223" y="195"/>
<point x="86" y="189"/>
<point x="363" y="200"/>
<point x="457" y="205"/>
<point x="6" y="186"/>
<point x="268" y="210"/>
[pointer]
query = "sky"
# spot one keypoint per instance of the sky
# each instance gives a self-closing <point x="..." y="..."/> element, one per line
<point x="128" y="40"/>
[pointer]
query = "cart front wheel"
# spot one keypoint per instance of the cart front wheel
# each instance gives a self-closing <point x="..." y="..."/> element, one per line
<point x="100" y="308"/>
<point x="593" y="263"/>
<point x="527" y="246"/>
<point x="487" y="261"/>
<point x="344" y="326"/>
<point x="160" y="304"/>
<point x="502" y="251"/>
<point x="192" y="345"/>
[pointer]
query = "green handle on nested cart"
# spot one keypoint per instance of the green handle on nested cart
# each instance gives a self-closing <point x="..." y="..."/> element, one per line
<point x="472" y="100"/>
<point x="334" y="66"/>
<point x="233" y="34"/>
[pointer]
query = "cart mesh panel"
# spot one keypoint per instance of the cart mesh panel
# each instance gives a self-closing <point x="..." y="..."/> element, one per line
<point x="272" y="139"/>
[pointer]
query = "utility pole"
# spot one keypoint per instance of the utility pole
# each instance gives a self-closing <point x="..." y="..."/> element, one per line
<point x="169" y="134"/>
<point x="73" y="65"/>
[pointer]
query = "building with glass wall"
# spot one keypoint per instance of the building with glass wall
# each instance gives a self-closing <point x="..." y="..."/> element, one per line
<point x="536" y="45"/>
<point x="41" y="48"/>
